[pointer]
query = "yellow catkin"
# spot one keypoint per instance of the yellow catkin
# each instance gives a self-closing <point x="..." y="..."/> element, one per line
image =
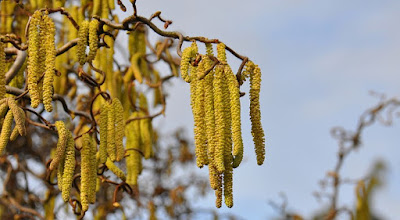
<point x="86" y="171"/>
<point x="69" y="167"/>
<point x="60" y="174"/>
<point x="6" y="131"/>
<point x="104" y="8"/>
<point x="219" y="119"/>
<point x="228" y="175"/>
<point x="103" y="133"/>
<point x="199" y="118"/>
<point x="96" y="7"/>
<point x="133" y="147"/>
<point x="2" y="70"/>
<point x="34" y="59"/>
<point x="119" y="129"/>
<point x="14" y="134"/>
<point x="93" y="39"/>
<point x="111" y="4"/>
<point x="61" y="144"/>
<point x="49" y="204"/>
<point x="93" y="170"/>
<point x="187" y="54"/>
<point x="47" y="26"/>
<point x="19" y="116"/>
<point x="209" y="113"/>
<point x="218" y="192"/>
<point x="213" y="175"/>
<point x="83" y="42"/>
<point x="255" y="114"/>
<point x="146" y="131"/>
<point x="111" y="131"/>
<point x="233" y="86"/>
<point x="116" y="170"/>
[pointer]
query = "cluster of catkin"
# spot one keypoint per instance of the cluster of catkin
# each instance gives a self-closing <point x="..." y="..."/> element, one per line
<point x="64" y="160"/>
<point x="9" y="112"/>
<point x="112" y="127"/>
<point x="139" y="136"/>
<point x="216" y="110"/>
<point x="41" y="59"/>
<point x="87" y="36"/>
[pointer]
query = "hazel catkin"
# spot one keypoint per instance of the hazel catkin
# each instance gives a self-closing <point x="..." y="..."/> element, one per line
<point x="83" y="42"/>
<point x="61" y="144"/>
<point x="2" y="70"/>
<point x="93" y="40"/>
<point x="6" y="131"/>
<point x="119" y="129"/>
<point x="69" y="167"/>
<point x="187" y="54"/>
<point x="255" y="114"/>
<point x="34" y="58"/>
<point x="103" y="133"/>
<point x="47" y="26"/>
<point x="116" y="170"/>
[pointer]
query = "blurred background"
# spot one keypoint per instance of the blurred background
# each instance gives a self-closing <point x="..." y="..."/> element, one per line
<point x="320" y="60"/>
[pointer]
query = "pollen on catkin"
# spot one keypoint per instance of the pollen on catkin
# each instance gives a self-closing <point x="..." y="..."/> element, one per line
<point x="111" y="131"/>
<point x="93" y="170"/>
<point x="133" y="147"/>
<point x="228" y="175"/>
<point x="116" y="170"/>
<point x="187" y="54"/>
<point x="233" y="86"/>
<point x="209" y="108"/>
<point x="19" y="116"/>
<point x="61" y="144"/>
<point x="6" y="131"/>
<point x="255" y="114"/>
<point x="47" y="26"/>
<point x="199" y="119"/>
<point x="2" y="70"/>
<point x="93" y="40"/>
<point x="34" y="59"/>
<point x="86" y="171"/>
<point x="219" y="119"/>
<point x="69" y="167"/>
<point x="119" y="129"/>
<point x="83" y="42"/>
<point x="103" y="133"/>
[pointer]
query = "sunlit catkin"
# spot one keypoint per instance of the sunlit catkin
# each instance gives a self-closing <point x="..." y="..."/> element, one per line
<point x="19" y="116"/>
<point x="199" y="119"/>
<point x="111" y="131"/>
<point x="146" y="137"/>
<point x="93" y="39"/>
<point x="133" y="147"/>
<point x="209" y="108"/>
<point x="93" y="170"/>
<point x="219" y="119"/>
<point x="116" y="170"/>
<point x="34" y="59"/>
<point x="103" y="133"/>
<point x="49" y="29"/>
<point x="69" y="167"/>
<point x="6" y="131"/>
<point x="228" y="175"/>
<point x="233" y="86"/>
<point x="187" y="54"/>
<point x="255" y="114"/>
<point x="83" y="41"/>
<point x="2" y="70"/>
<point x="119" y="129"/>
<point x="86" y="171"/>
<point x="61" y="144"/>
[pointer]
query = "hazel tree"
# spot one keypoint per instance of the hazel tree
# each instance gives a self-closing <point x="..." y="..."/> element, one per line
<point x="69" y="104"/>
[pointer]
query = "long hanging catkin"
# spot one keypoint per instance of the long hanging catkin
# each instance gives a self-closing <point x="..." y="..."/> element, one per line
<point x="255" y="114"/>
<point x="83" y="42"/>
<point x="6" y="131"/>
<point x="103" y="133"/>
<point x="48" y="28"/>
<point x="2" y="70"/>
<point x="61" y="144"/>
<point x="93" y="39"/>
<point x="119" y="129"/>
<point x="34" y="59"/>
<point x="69" y="167"/>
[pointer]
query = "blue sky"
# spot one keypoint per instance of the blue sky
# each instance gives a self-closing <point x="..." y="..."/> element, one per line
<point x="319" y="60"/>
